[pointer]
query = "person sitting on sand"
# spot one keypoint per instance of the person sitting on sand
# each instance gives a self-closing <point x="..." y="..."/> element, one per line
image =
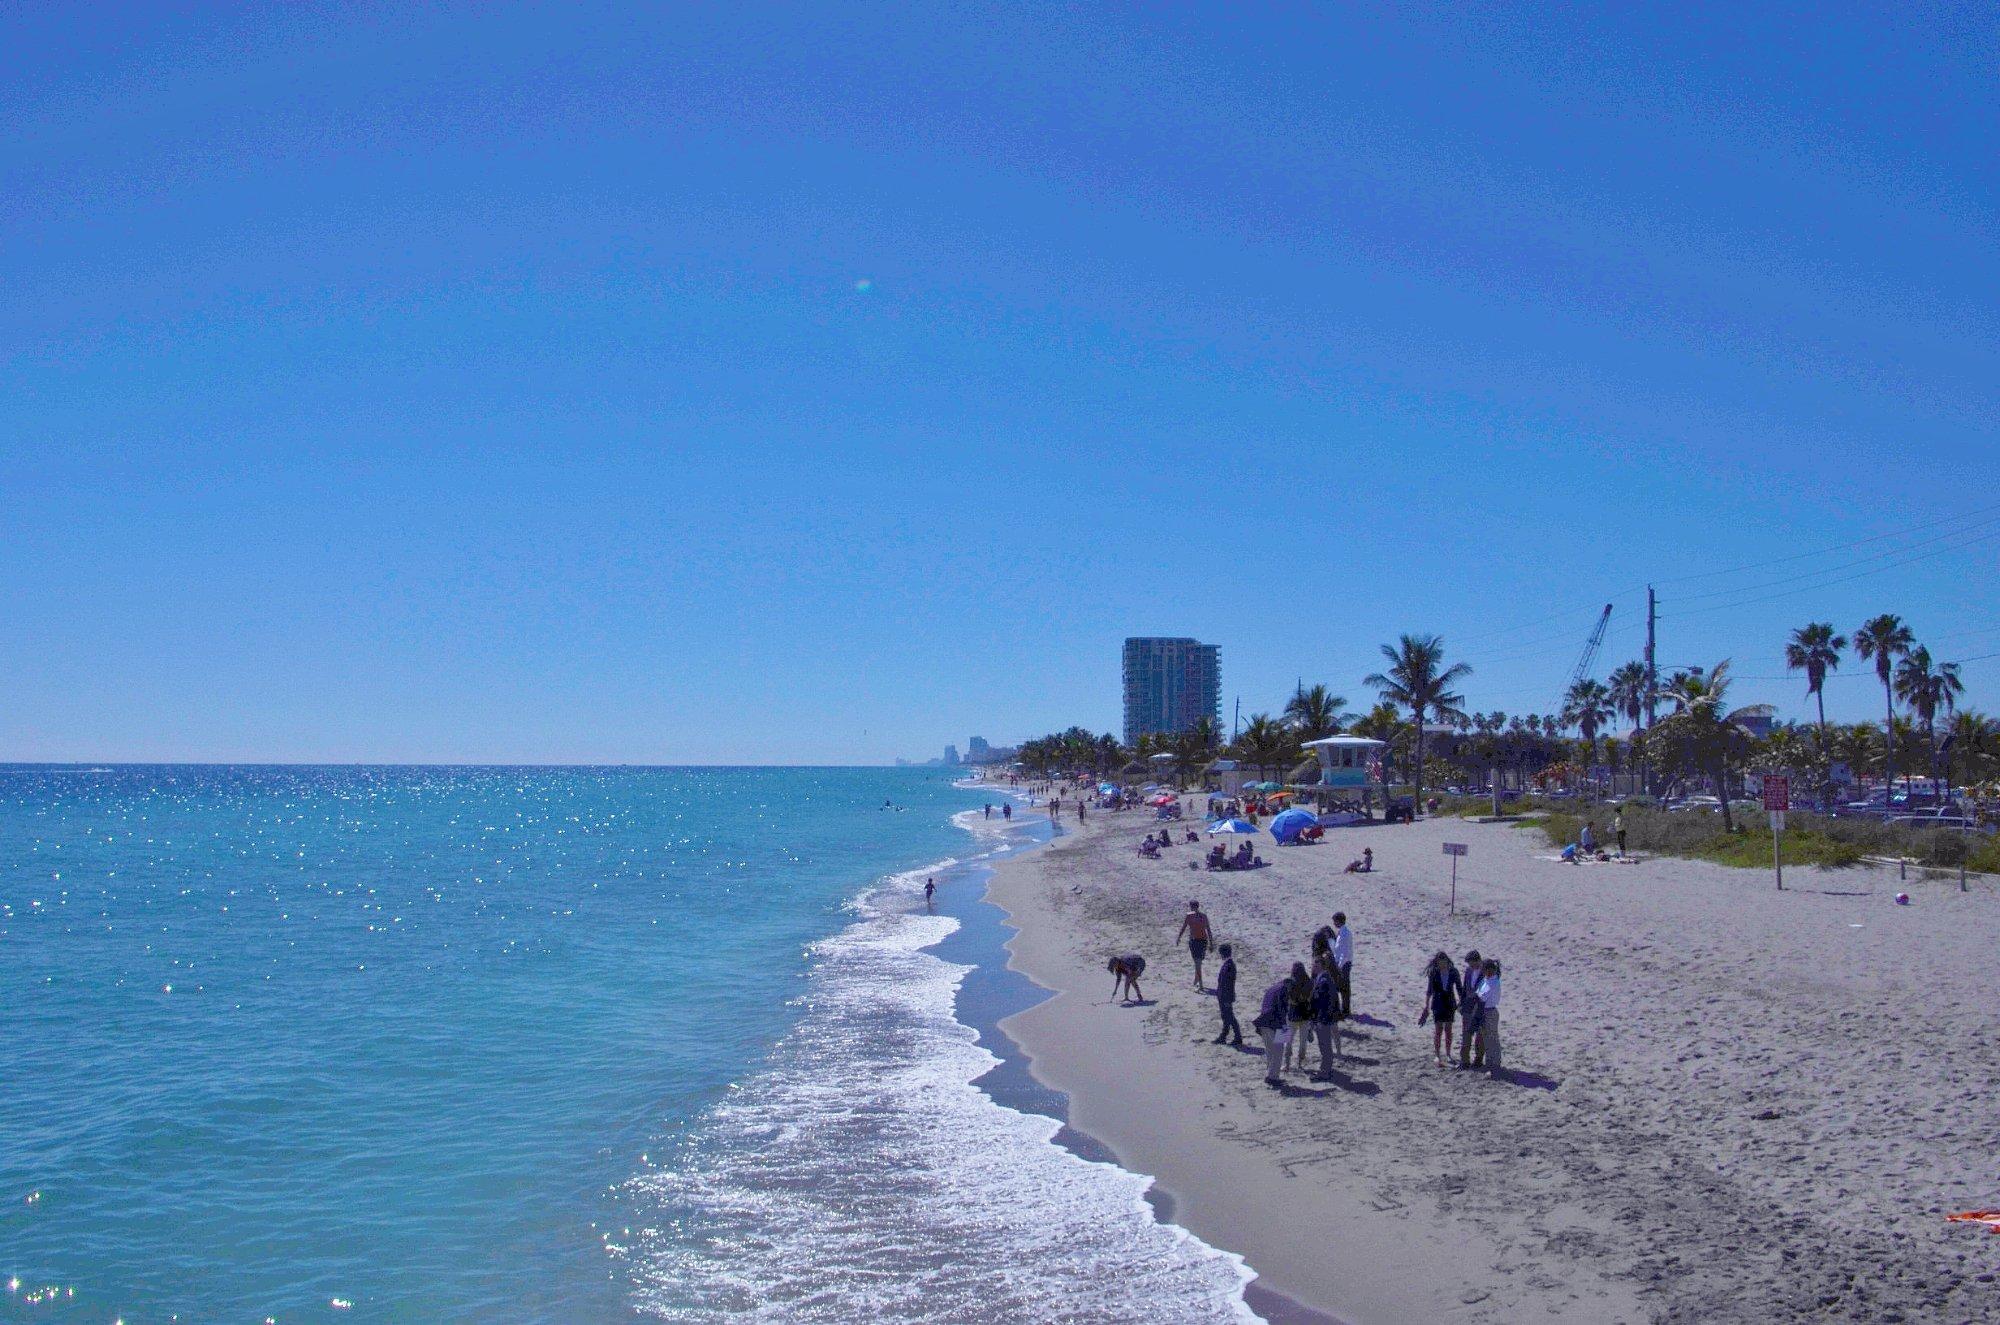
<point x="1441" y="994"/>
<point x="1298" y="1015"/>
<point x="1270" y="1028"/>
<point x="1325" y="1017"/>
<point x="1365" y="865"/>
<point x="1125" y="973"/>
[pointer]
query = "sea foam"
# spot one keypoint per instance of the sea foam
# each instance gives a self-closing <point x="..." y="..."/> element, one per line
<point x="860" y="1174"/>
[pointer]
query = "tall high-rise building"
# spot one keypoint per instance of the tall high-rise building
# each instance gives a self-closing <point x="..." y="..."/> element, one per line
<point x="1170" y="684"/>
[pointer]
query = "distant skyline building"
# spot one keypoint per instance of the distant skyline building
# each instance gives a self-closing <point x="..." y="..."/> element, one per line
<point x="1170" y="685"/>
<point x="951" y="754"/>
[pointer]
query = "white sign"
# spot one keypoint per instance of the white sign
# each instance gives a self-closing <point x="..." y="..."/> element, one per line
<point x="1454" y="848"/>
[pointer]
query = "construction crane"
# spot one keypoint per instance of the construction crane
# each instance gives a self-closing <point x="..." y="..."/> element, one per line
<point x="1584" y="663"/>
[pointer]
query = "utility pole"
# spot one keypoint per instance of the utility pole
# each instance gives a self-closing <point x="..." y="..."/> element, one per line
<point x="1652" y="676"/>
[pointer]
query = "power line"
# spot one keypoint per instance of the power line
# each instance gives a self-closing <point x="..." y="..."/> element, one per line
<point x="1844" y="579"/>
<point x="1873" y="556"/>
<point x="1838" y="547"/>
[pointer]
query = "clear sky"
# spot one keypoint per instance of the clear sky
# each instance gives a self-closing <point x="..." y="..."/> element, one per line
<point x="734" y="383"/>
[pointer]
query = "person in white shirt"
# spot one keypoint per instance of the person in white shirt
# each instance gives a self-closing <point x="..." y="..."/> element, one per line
<point x="1343" y="962"/>
<point x="1489" y="1015"/>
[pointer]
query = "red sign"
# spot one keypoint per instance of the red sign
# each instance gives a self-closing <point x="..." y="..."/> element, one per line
<point x="1778" y="793"/>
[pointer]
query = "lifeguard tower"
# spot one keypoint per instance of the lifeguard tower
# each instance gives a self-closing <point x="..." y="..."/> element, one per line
<point x="1350" y="768"/>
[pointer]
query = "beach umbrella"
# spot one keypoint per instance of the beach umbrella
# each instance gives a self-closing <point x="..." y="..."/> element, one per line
<point x="1231" y="826"/>
<point x="1287" y="826"/>
<point x="1267" y="786"/>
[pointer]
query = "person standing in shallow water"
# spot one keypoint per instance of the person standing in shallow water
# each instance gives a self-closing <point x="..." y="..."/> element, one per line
<point x="930" y="890"/>
<point x="1225" y="997"/>
<point x="1007" y="811"/>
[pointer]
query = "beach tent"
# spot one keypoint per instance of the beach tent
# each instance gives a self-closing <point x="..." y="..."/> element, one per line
<point x="1231" y="826"/>
<point x="1287" y="826"/>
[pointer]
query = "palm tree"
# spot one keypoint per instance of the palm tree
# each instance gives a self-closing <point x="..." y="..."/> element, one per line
<point x="1815" y="650"/>
<point x="1627" y="691"/>
<point x="1315" y="711"/>
<point x="1925" y="690"/>
<point x="1419" y="680"/>
<point x="1110" y="754"/>
<point x="1704" y="733"/>
<point x="1587" y="706"/>
<point x="1193" y="749"/>
<point x="1265" y="744"/>
<point x="1885" y="638"/>
<point x="1971" y="745"/>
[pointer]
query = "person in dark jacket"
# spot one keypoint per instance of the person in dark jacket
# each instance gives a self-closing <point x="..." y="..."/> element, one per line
<point x="1325" y="1017"/>
<point x="1270" y="1025"/>
<point x="1443" y="991"/>
<point x="1298" y="1015"/>
<point x="1225" y="997"/>
<point x="1468" y="1007"/>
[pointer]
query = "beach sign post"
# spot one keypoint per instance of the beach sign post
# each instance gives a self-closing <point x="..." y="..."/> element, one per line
<point x="1454" y="850"/>
<point x="1777" y="799"/>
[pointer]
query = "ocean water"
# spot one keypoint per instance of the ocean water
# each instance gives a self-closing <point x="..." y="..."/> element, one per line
<point x="538" y="1045"/>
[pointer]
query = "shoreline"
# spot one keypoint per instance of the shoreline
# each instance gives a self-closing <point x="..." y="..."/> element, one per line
<point x="996" y="991"/>
<point x="1714" y="1159"/>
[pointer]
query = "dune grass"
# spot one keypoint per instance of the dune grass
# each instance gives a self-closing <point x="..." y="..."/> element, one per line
<point x="1810" y="839"/>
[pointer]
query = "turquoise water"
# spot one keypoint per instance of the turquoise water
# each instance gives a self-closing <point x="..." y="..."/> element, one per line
<point x="517" y="1044"/>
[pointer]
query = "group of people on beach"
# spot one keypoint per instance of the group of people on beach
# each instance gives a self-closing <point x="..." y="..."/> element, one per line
<point x="1304" y="1008"/>
<point x="1469" y="999"/>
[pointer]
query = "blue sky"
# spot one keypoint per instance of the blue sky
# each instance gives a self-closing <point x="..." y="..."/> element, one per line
<point x="768" y="385"/>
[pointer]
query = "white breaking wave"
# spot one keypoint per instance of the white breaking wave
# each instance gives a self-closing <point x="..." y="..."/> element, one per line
<point x="861" y="1176"/>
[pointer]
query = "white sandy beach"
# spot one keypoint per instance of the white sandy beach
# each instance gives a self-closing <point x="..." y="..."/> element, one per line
<point x="1723" y="1103"/>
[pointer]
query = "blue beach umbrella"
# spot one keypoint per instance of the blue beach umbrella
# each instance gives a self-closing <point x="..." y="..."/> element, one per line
<point x="1287" y="826"/>
<point x="1231" y="826"/>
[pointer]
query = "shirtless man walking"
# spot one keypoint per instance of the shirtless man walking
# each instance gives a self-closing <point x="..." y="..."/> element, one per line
<point x="1194" y="925"/>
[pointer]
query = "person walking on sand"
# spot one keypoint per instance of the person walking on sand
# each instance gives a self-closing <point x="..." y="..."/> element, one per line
<point x="1468" y="1007"/>
<point x="1225" y="997"/>
<point x="1125" y="973"/>
<point x="1270" y="1027"/>
<point x="1489" y="1016"/>
<point x="1618" y="830"/>
<point x="1343" y="962"/>
<point x="1194" y="927"/>
<point x="1325" y="1018"/>
<point x="1442" y="991"/>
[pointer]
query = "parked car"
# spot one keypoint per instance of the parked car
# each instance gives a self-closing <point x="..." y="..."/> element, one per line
<point x="1953" y="821"/>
